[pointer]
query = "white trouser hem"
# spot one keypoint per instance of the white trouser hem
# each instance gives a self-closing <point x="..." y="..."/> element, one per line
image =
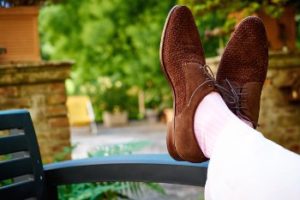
<point x="245" y="165"/>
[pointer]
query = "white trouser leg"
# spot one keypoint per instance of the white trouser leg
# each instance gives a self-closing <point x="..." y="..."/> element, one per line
<point x="245" y="165"/>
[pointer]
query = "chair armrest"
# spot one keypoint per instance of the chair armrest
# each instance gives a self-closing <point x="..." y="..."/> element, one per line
<point x="141" y="168"/>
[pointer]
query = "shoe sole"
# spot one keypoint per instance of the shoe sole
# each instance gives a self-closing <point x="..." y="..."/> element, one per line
<point x="171" y="126"/>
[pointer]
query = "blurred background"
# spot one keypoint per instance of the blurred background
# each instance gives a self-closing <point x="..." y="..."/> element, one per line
<point x="89" y="73"/>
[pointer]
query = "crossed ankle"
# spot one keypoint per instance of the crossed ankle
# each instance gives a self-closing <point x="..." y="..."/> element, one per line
<point x="211" y="116"/>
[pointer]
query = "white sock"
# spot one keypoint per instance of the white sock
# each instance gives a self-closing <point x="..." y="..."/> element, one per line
<point x="211" y="117"/>
<point x="247" y="122"/>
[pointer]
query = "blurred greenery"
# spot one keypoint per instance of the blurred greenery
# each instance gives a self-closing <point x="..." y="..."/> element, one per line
<point x="108" y="190"/>
<point x="116" y="41"/>
<point x="213" y="17"/>
<point x="6" y="181"/>
<point x="225" y="7"/>
<point x="115" y="45"/>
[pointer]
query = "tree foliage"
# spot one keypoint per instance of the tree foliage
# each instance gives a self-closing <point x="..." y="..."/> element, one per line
<point x="216" y="17"/>
<point x="115" y="44"/>
<point x="224" y="7"/>
<point x="115" y="39"/>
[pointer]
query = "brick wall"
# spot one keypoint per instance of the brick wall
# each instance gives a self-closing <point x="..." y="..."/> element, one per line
<point x="40" y="88"/>
<point x="280" y="102"/>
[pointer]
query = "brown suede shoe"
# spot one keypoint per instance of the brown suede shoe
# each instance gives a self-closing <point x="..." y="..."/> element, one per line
<point x="243" y="69"/>
<point x="183" y="63"/>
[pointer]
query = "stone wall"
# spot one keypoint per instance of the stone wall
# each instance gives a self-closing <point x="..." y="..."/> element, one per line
<point x="40" y="88"/>
<point x="280" y="102"/>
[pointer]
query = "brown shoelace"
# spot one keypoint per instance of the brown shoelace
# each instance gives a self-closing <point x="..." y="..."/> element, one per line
<point x="209" y="79"/>
<point x="232" y="96"/>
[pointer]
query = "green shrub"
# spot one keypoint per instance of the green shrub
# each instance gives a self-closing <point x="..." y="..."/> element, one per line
<point x="115" y="39"/>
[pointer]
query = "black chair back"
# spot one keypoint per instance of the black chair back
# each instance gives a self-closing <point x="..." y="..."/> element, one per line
<point x="21" y="169"/>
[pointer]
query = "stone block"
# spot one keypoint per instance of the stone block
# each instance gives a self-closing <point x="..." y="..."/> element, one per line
<point x="40" y="88"/>
<point x="33" y="89"/>
<point x="58" y="122"/>
<point x="11" y="91"/>
<point x="61" y="134"/>
<point x="57" y="88"/>
<point x="37" y="72"/>
<point x="56" y="110"/>
<point x="56" y="99"/>
<point x="22" y="102"/>
<point x="43" y="135"/>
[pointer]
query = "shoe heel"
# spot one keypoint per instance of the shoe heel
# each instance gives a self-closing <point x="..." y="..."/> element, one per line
<point x="170" y="142"/>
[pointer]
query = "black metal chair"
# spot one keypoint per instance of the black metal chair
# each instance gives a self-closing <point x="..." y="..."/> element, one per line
<point x="30" y="179"/>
